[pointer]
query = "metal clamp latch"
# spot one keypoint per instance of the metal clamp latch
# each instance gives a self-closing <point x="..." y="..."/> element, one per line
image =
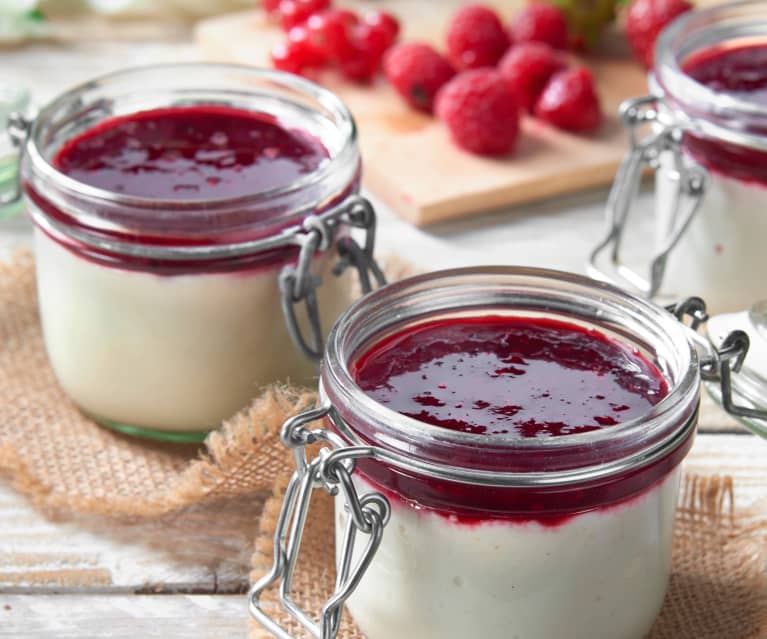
<point x="719" y="364"/>
<point x="330" y="470"/>
<point x="17" y="130"/>
<point x="646" y="152"/>
<point x="298" y="284"/>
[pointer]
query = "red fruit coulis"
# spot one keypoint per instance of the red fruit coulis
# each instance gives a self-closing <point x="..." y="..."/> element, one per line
<point x="523" y="377"/>
<point x="188" y="154"/>
<point x="740" y="72"/>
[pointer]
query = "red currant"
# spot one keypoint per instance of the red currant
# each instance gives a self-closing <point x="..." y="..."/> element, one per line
<point x="287" y="56"/>
<point x="331" y="33"/>
<point x="310" y="54"/>
<point x="385" y="22"/>
<point x="371" y="39"/>
<point x="361" y="65"/>
<point x="296" y="12"/>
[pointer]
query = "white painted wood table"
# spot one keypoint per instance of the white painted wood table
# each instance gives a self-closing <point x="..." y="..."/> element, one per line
<point x="38" y="596"/>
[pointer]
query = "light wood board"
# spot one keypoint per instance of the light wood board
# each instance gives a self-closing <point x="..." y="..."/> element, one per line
<point x="410" y="162"/>
<point x="123" y="617"/>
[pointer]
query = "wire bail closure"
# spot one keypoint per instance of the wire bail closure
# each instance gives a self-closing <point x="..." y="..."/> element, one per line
<point x="331" y="470"/>
<point x="665" y="139"/>
<point x="718" y="365"/>
<point x="17" y="130"/>
<point x="298" y="284"/>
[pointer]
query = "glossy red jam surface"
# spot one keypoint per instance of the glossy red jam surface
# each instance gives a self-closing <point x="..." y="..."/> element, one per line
<point x="519" y="377"/>
<point x="190" y="153"/>
<point x="742" y="73"/>
<point x="510" y="375"/>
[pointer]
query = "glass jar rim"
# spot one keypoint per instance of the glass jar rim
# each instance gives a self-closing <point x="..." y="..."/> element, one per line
<point x="718" y="114"/>
<point x="149" y="207"/>
<point x="634" y="442"/>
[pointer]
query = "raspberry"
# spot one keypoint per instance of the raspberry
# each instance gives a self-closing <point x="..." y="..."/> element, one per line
<point x="570" y="101"/>
<point x="480" y="109"/>
<point x="476" y="38"/>
<point x="645" y="19"/>
<point x="528" y="67"/>
<point x="331" y="33"/>
<point x="539" y="22"/>
<point x="295" y="12"/>
<point x="271" y="6"/>
<point x="417" y="72"/>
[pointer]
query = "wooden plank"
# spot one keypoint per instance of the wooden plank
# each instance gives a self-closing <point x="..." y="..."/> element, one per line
<point x="410" y="161"/>
<point x="39" y="555"/>
<point x="123" y="617"/>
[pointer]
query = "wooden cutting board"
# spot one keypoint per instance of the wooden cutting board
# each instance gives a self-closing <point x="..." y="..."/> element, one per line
<point x="410" y="162"/>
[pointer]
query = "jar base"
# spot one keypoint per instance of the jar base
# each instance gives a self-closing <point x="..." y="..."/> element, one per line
<point x="181" y="437"/>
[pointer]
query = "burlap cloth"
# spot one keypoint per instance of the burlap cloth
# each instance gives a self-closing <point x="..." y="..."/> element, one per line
<point x="218" y="497"/>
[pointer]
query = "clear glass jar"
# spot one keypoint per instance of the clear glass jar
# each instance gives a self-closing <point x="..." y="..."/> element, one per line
<point x="163" y="317"/>
<point x="494" y="537"/>
<point x="710" y="150"/>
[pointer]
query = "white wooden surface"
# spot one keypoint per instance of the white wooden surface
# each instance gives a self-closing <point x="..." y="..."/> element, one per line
<point x="123" y="617"/>
<point x="40" y="596"/>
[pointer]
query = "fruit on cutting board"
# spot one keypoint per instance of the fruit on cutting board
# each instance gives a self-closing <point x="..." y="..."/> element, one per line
<point x="522" y="63"/>
<point x="320" y="36"/>
<point x="645" y="19"/>
<point x="417" y="72"/>
<point x="527" y="67"/>
<point x="480" y="110"/>
<point x="541" y="22"/>
<point x="476" y="107"/>
<point x="569" y="101"/>
<point x="476" y="38"/>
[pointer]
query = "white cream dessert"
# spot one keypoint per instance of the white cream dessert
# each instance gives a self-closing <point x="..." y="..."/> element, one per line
<point x="149" y="342"/>
<point x="461" y="560"/>
<point x="435" y="577"/>
<point x="169" y="352"/>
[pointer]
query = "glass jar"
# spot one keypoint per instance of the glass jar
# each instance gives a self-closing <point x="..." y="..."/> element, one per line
<point x="709" y="149"/>
<point x="162" y="317"/>
<point x="494" y="537"/>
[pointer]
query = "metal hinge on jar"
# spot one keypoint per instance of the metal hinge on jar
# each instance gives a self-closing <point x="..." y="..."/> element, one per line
<point x="719" y="364"/>
<point x="13" y="103"/>
<point x="298" y="284"/>
<point x="665" y="137"/>
<point x="368" y="514"/>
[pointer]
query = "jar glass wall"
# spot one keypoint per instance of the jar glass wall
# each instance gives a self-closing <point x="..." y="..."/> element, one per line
<point x="502" y="536"/>
<point x="162" y="315"/>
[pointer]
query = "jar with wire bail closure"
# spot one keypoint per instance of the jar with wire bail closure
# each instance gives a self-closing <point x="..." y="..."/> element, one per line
<point x="703" y="129"/>
<point x="194" y="225"/>
<point x="495" y="531"/>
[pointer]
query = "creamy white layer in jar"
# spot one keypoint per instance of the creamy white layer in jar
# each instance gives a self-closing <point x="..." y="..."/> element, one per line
<point x="434" y="577"/>
<point x="721" y="256"/>
<point x="169" y="352"/>
<point x="168" y="200"/>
